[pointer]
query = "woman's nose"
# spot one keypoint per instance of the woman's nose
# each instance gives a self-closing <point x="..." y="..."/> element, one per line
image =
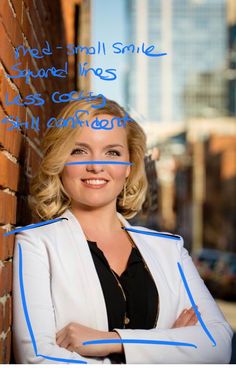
<point x="94" y="167"/>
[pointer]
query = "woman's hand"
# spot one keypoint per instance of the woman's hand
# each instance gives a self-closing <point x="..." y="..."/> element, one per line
<point x="73" y="335"/>
<point x="187" y="318"/>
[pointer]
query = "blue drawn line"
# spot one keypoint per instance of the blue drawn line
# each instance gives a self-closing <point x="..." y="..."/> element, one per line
<point x="22" y="292"/>
<point x="151" y="233"/>
<point x="194" y="305"/>
<point x="139" y="341"/>
<point x="24" y="228"/>
<point x="25" y="309"/>
<point x="99" y="162"/>
<point x="62" y="359"/>
<point x="160" y="54"/>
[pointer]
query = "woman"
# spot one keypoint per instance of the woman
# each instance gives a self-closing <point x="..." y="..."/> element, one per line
<point x="90" y="275"/>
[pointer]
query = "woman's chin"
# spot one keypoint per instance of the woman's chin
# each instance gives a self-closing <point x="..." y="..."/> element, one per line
<point x="92" y="204"/>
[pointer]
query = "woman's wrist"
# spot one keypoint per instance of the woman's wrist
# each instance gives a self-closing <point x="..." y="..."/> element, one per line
<point x="116" y="347"/>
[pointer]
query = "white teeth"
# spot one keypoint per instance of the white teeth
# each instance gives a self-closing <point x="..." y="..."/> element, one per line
<point x="95" y="181"/>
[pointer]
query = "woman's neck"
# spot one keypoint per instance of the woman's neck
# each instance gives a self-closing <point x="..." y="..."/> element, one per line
<point x="100" y="220"/>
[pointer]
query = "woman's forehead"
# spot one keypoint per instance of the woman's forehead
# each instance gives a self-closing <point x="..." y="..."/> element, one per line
<point x="90" y="135"/>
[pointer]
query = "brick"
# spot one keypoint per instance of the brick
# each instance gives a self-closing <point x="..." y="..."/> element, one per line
<point x="5" y="314"/>
<point x="11" y="23"/>
<point x="6" y="245"/>
<point x="43" y="10"/>
<point x="7" y="88"/>
<point x="17" y="6"/>
<point x="17" y="110"/>
<point x="7" y="208"/>
<point x="27" y="29"/>
<point x="35" y="19"/>
<point x="32" y="159"/>
<point x="7" y="54"/>
<point x="5" y="278"/>
<point x="9" y="174"/>
<point x="30" y="133"/>
<point x="10" y="140"/>
<point x="1" y="318"/>
<point x="2" y="344"/>
<point x="5" y="349"/>
<point x="8" y="347"/>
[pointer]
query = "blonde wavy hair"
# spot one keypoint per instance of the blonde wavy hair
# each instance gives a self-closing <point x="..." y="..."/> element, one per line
<point x="48" y="198"/>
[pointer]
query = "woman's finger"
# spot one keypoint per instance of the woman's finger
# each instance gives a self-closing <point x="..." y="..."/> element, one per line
<point x="186" y="311"/>
<point x="70" y="348"/>
<point x="61" y="332"/>
<point x="183" y="318"/>
<point x="60" y="337"/>
<point x="193" y="320"/>
<point x="187" y="315"/>
<point x="63" y="341"/>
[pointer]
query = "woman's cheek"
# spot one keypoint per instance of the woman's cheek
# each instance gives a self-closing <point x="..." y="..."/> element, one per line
<point x="75" y="172"/>
<point x="72" y="172"/>
<point x="119" y="172"/>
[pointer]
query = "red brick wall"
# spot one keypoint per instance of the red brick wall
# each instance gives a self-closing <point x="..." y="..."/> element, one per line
<point x="28" y="22"/>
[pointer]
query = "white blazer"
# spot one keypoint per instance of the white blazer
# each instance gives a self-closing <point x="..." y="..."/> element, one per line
<point x="61" y="285"/>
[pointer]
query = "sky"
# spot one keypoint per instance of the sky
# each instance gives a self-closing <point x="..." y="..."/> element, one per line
<point x="109" y="26"/>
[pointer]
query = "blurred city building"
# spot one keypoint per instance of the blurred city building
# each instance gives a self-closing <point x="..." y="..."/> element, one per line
<point x="212" y="148"/>
<point x="77" y="23"/>
<point x="219" y="207"/>
<point x="231" y="71"/>
<point x="184" y="100"/>
<point x="205" y="95"/>
<point x="194" y="35"/>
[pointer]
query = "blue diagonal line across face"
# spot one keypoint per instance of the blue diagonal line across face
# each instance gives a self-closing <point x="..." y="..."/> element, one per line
<point x="99" y="162"/>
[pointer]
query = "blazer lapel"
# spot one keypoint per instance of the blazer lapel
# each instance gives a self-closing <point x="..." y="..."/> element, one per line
<point x="94" y="302"/>
<point x="152" y="251"/>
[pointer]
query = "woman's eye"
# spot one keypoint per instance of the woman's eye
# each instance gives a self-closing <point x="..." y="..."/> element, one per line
<point x="114" y="153"/>
<point x="77" y="151"/>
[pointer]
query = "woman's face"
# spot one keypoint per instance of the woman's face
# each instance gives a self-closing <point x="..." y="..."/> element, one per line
<point x="96" y="185"/>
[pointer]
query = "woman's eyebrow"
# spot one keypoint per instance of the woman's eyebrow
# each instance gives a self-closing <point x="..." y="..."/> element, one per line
<point x="108" y="146"/>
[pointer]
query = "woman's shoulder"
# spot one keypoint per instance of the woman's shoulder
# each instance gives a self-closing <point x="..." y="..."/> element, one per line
<point x="151" y="233"/>
<point x="157" y="241"/>
<point x="155" y="233"/>
<point x="167" y="247"/>
<point x="40" y="230"/>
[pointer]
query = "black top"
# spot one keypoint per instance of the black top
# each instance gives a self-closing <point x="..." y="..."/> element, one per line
<point x="140" y="302"/>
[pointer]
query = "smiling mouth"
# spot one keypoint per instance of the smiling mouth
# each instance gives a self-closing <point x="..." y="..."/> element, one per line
<point x="95" y="181"/>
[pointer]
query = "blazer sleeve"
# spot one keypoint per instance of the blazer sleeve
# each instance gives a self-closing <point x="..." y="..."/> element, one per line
<point x="211" y="315"/>
<point x="34" y="328"/>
